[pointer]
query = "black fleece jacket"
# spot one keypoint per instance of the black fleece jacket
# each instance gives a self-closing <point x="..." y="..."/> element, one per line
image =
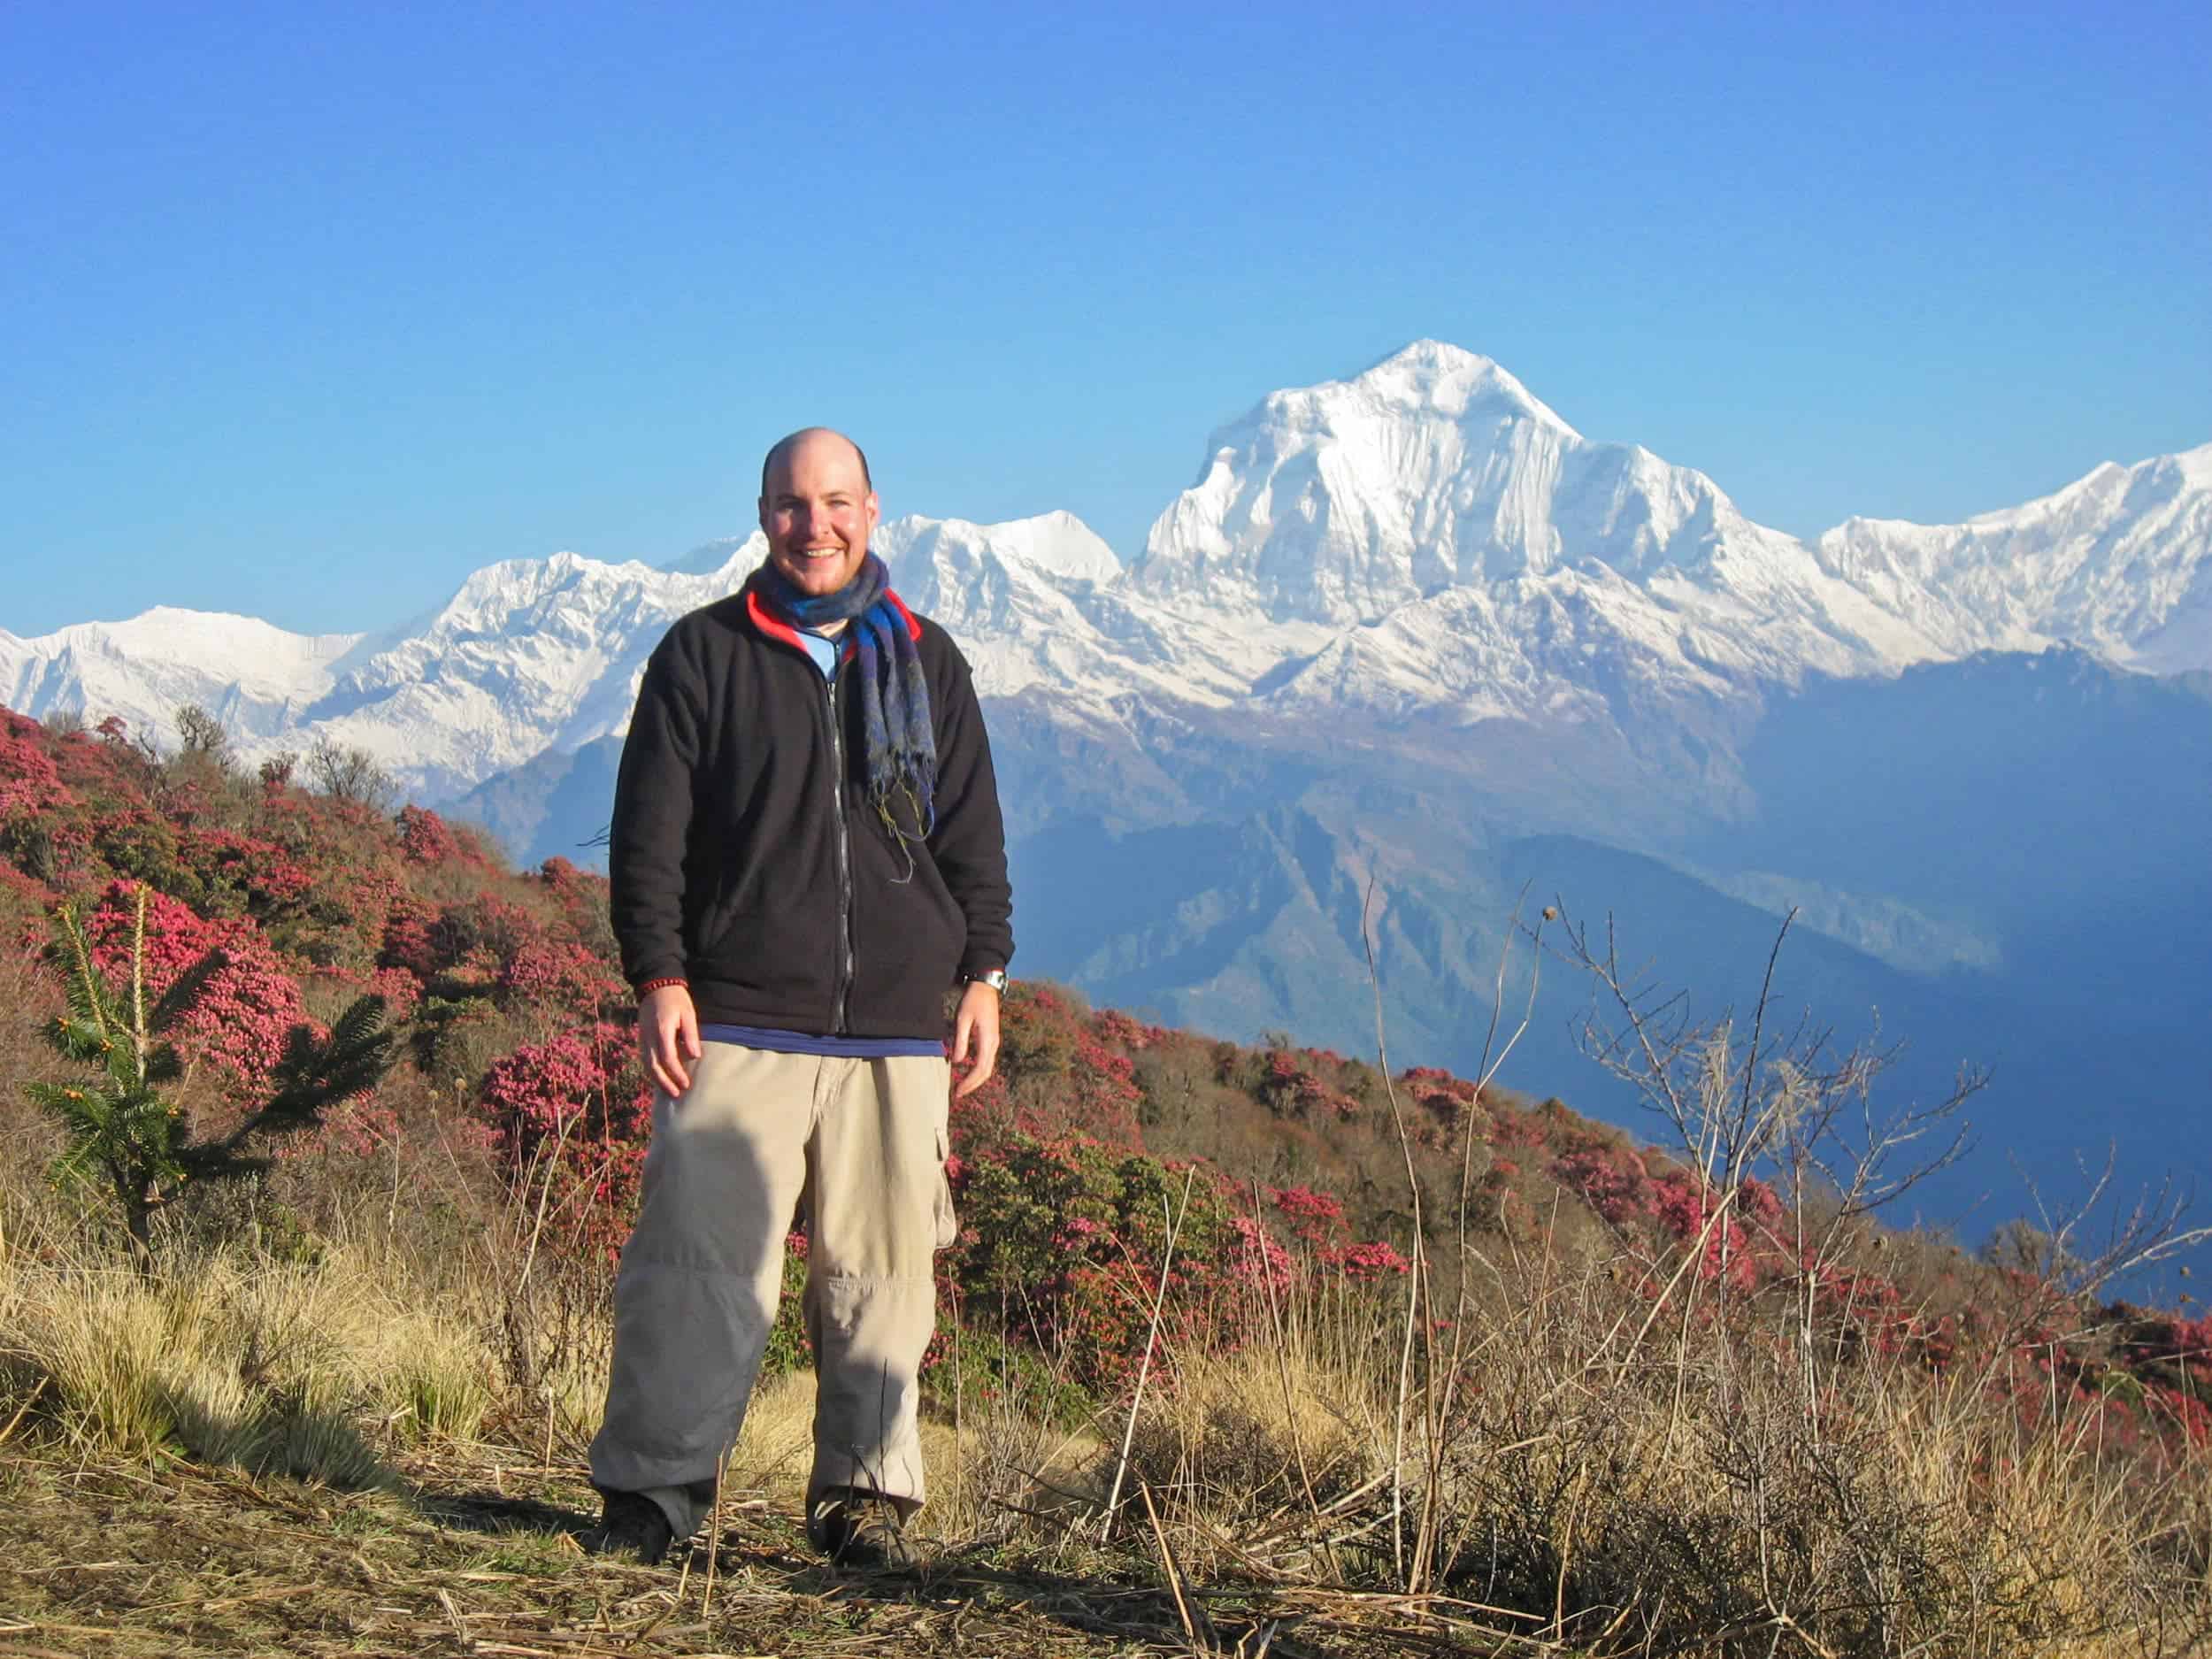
<point x="746" y="857"/>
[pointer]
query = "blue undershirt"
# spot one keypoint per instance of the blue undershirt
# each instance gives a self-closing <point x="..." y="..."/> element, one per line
<point x="824" y="653"/>
<point x="773" y="1041"/>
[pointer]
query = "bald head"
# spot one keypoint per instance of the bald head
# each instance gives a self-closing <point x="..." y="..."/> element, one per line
<point x="780" y="452"/>
<point x="818" y="509"/>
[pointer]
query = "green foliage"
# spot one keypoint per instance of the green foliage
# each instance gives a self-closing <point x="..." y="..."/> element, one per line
<point x="788" y="1348"/>
<point x="143" y="847"/>
<point x="457" y="1039"/>
<point x="1060" y="1248"/>
<point x="123" y="1129"/>
<point x="977" y="1363"/>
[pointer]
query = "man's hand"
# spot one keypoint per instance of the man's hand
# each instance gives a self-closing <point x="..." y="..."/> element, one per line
<point x="975" y="1036"/>
<point x="668" y="1037"/>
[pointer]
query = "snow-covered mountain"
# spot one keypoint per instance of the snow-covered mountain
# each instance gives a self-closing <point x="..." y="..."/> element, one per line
<point x="259" y="678"/>
<point x="2119" y="562"/>
<point x="1430" y="534"/>
<point x="1424" y="545"/>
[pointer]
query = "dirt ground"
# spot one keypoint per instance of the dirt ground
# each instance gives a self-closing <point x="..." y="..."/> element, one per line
<point x="470" y="1554"/>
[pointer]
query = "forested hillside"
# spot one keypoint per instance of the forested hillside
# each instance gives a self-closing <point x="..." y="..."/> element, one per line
<point x="1474" y="1345"/>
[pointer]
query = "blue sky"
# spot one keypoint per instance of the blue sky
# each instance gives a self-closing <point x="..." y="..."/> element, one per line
<point x="307" y="312"/>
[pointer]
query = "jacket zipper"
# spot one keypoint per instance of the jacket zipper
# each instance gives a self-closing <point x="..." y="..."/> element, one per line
<point x="844" y="862"/>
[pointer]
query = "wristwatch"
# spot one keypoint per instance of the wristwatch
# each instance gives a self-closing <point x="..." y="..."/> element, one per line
<point x="996" y="978"/>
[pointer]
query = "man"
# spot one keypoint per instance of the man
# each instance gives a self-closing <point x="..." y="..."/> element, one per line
<point x="806" y="855"/>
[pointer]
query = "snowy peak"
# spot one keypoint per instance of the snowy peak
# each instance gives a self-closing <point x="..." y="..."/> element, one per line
<point x="2192" y="468"/>
<point x="710" y="559"/>
<point x="1433" y="375"/>
<point x="1436" y="469"/>
<point x="250" y="673"/>
<point x="1057" y="546"/>
<point x="210" y="641"/>
<point x="2118" y="561"/>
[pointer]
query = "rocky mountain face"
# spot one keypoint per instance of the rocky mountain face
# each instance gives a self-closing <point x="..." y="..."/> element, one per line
<point x="1412" y="644"/>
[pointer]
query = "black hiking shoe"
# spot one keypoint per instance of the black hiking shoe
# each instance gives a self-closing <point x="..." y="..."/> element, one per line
<point x="633" y="1527"/>
<point x="862" y="1531"/>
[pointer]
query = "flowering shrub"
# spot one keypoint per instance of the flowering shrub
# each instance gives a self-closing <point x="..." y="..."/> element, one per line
<point x="125" y="1134"/>
<point x="1054" y="1079"/>
<point x="580" y="897"/>
<point x="268" y="880"/>
<point x="24" y="904"/>
<point x="1114" y="1027"/>
<point x="406" y="943"/>
<point x="1759" y="1202"/>
<point x="43" y="831"/>
<point x="568" y="979"/>
<point x="1315" y="1219"/>
<point x="1102" y="1095"/>
<point x="1256" y="1259"/>
<point x="1610" y="1179"/>
<point x="1683" y="1205"/>
<point x="1362" y="1263"/>
<point x="424" y="838"/>
<point x="1061" y="1243"/>
<point x="574" y="1113"/>
<point x="241" y="1018"/>
<point x="1437" y="1091"/>
<point x="2192" y="1344"/>
<point x="141" y="844"/>
<point x="483" y="929"/>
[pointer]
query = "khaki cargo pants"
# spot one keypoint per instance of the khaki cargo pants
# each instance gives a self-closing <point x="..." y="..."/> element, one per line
<point x="864" y="1143"/>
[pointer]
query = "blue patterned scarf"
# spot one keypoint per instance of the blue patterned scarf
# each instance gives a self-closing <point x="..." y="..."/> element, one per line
<point x="901" y="748"/>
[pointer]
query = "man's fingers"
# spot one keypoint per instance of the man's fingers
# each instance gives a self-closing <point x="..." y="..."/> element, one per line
<point x="667" y="1035"/>
<point x="975" y="1035"/>
<point x="653" y="1052"/>
<point x="662" y="1081"/>
<point x="672" y="1061"/>
<point x="663" y="1040"/>
<point x="986" y="1062"/>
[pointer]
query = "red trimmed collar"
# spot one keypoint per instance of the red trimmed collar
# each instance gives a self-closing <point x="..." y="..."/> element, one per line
<point x="775" y="628"/>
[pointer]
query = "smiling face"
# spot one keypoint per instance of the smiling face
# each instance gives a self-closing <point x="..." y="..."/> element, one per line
<point x="816" y="511"/>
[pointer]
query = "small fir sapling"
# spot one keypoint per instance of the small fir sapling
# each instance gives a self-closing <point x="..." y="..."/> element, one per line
<point x="124" y="1129"/>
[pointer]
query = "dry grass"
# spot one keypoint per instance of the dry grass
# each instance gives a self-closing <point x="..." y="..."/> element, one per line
<point x="269" y="1367"/>
<point x="1603" y="1489"/>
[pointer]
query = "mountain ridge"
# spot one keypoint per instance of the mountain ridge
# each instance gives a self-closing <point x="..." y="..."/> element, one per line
<point x="1426" y="539"/>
